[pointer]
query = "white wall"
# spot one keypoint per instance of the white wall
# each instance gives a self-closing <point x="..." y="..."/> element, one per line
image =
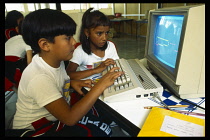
<point x="77" y="17"/>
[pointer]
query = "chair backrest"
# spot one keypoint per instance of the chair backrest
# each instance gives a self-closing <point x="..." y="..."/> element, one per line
<point x="7" y="32"/>
<point x="77" y="44"/>
<point x="12" y="73"/>
<point x="8" y="84"/>
<point x="12" y="58"/>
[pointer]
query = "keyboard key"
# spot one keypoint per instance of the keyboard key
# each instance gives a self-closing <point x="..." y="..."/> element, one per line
<point x="115" y="83"/>
<point x="126" y="86"/>
<point x="117" y="88"/>
<point x="122" y="87"/>
<point x="130" y="84"/>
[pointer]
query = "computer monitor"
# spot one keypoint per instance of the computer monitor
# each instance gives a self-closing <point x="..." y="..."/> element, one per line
<point x="175" y="48"/>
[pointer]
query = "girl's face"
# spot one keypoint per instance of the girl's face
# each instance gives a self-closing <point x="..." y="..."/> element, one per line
<point x="98" y="36"/>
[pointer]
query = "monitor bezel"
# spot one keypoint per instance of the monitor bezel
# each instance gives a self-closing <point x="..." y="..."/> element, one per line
<point x="149" y="43"/>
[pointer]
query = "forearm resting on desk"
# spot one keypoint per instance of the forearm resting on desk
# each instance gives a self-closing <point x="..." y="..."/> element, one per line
<point x="76" y="75"/>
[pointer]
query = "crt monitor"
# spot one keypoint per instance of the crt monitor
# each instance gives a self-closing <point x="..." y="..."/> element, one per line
<point x="175" y="48"/>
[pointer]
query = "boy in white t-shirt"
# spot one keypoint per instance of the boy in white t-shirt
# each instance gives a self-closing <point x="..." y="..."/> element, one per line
<point x="95" y="53"/>
<point x="43" y="95"/>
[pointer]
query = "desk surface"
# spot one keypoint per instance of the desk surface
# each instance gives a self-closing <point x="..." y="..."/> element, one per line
<point x="142" y="21"/>
<point x="120" y="19"/>
<point x="134" y="110"/>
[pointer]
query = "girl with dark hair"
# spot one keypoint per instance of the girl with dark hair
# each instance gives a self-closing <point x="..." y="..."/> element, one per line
<point x="95" y="52"/>
<point x="12" y="21"/>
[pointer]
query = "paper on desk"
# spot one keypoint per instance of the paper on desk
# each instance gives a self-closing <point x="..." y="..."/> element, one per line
<point x="159" y="123"/>
<point x="179" y="127"/>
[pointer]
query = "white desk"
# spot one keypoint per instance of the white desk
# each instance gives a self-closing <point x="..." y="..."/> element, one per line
<point x="134" y="110"/>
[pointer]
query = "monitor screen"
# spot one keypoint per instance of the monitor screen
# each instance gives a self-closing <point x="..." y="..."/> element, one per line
<point x="167" y="38"/>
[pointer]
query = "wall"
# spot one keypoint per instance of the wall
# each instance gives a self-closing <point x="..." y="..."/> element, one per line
<point x="77" y="17"/>
<point x="145" y="7"/>
<point x="107" y="11"/>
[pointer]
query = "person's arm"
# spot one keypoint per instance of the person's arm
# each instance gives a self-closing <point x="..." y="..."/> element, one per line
<point x="76" y="75"/>
<point x="71" y="115"/>
<point x="29" y="56"/>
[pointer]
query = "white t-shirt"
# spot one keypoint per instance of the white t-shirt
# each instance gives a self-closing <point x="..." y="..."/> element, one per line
<point x="16" y="46"/>
<point x="40" y="85"/>
<point x="91" y="61"/>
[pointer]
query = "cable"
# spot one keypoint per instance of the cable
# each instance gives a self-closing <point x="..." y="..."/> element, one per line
<point x="188" y="101"/>
<point x="166" y="87"/>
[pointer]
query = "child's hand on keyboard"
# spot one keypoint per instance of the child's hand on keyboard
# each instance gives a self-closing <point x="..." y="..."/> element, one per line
<point x="109" y="78"/>
<point x="78" y="84"/>
<point x="104" y="65"/>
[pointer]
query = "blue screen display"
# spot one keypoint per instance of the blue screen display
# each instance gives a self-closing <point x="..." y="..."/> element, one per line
<point x="167" y="37"/>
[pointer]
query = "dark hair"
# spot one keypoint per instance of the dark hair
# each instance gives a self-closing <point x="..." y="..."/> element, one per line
<point x="46" y="23"/>
<point x="92" y="19"/>
<point x="20" y="27"/>
<point x="11" y="19"/>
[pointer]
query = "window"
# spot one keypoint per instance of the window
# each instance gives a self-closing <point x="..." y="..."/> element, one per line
<point x="14" y="6"/>
<point x="70" y="6"/>
<point x="52" y="6"/>
<point x="76" y="6"/>
<point x="35" y="6"/>
<point x="31" y="7"/>
<point x="26" y="8"/>
<point x="105" y="5"/>
<point x="98" y="6"/>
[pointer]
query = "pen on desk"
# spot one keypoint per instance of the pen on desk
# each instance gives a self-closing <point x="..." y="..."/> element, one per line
<point x="172" y="106"/>
<point x="190" y="113"/>
<point x="179" y="108"/>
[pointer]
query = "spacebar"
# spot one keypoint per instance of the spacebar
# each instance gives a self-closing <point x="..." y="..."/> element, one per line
<point x="121" y="121"/>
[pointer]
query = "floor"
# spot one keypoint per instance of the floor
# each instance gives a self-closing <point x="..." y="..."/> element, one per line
<point x="128" y="47"/>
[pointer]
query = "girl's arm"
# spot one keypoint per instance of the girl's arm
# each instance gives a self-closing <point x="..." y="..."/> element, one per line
<point x="76" y="75"/>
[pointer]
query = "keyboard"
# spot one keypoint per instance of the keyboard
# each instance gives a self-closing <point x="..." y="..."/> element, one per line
<point x="136" y="83"/>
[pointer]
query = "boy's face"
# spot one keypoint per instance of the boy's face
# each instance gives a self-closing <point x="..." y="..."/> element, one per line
<point x="98" y="36"/>
<point x="63" y="47"/>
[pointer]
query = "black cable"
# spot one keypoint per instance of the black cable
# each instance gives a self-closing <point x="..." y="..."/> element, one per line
<point x="188" y="101"/>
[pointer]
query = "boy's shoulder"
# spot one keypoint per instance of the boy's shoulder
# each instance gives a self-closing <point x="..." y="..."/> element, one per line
<point x="78" y="48"/>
